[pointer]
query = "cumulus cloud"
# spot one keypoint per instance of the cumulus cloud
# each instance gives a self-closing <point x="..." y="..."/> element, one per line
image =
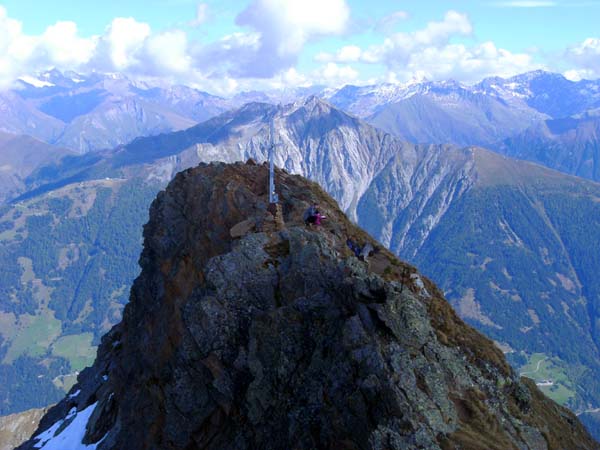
<point x="52" y="43"/>
<point x="332" y="74"/>
<point x="233" y="55"/>
<point x="168" y="51"/>
<point x="430" y="53"/>
<point x="265" y="53"/>
<point x="126" y="46"/>
<point x="346" y="54"/>
<point x="469" y="64"/>
<point x="284" y="27"/>
<point x="585" y="57"/>
<point x="265" y="50"/>
<point x="15" y="48"/>
<point x="124" y="39"/>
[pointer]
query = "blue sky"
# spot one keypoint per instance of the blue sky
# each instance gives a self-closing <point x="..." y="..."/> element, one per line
<point x="228" y="45"/>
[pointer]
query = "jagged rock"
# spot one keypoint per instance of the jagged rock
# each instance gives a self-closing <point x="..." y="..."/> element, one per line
<point x="283" y="339"/>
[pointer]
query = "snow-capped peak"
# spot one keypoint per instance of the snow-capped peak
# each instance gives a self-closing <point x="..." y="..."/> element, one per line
<point x="35" y="82"/>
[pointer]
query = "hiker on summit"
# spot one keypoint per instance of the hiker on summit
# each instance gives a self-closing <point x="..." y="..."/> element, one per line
<point x="310" y="214"/>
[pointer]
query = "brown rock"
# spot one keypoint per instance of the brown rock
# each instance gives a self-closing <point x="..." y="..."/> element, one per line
<point x="17" y="428"/>
<point x="242" y="228"/>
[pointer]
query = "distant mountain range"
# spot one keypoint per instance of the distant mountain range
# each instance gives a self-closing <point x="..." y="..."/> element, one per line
<point x="508" y="241"/>
<point x="101" y="111"/>
<point x="87" y="113"/>
<point x="538" y="92"/>
<point x="537" y="116"/>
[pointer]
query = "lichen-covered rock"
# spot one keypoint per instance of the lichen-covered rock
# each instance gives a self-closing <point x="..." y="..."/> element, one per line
<point x="281" y="338"/>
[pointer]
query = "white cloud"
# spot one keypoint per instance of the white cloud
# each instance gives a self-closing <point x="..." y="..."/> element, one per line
<point x="348" y="53"/>
<point x="585" y="57"/>
<point x="396" y="50"/>
<point x="430" y="53"/>
<point x="201" y="15"/>
<point x="335" y="75"/>
<point x="233" y="55"/>
<point x="78" y="51"/>
<point x="168" y="52"/>
<point x="525" y="4"/>
<point x="126" y="46"/>
<point x="15" y="48"/>
<point x="467" y="64"/>
<point x="264" y="53"/>
<point x="388" y="23"/>
<point x="285" y="26"/>
<point x="125" y="38"/>
<point x="268" y="50"/>
<point x="578" y="74"/>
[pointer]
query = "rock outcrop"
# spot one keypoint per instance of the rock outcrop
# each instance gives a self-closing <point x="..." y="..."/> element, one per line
<point x="17" y="428"/>
<point x="247" y="329"/>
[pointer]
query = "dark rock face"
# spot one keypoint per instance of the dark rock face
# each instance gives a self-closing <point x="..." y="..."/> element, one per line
<point x="281" y="338"/>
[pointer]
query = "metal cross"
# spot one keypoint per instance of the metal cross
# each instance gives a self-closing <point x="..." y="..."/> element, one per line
<point x="273" y="197"/>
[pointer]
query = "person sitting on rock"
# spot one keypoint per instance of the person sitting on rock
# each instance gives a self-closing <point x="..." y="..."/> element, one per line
<point x="318" y="218"/>
<point x="310" y="215"/>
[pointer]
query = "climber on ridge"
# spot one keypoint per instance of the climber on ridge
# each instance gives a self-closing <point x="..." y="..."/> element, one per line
<point x="311" y="214"/>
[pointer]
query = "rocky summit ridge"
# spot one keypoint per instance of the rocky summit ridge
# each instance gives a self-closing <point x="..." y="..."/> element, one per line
<point x="247" y="329"/>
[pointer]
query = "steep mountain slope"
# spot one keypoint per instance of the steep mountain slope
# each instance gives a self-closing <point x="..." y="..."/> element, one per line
<point x="402" y="193"/>
<point x="18" y="428"/>
<point x="100" y="111"/>
<point x="364" y="101"/>
<point x="67" y="260"/>
<point x="280" y="338"/>
<point x="329" y="146"/>
<point x="511" y="253"/>
<point x="19" y="157"/>
<point x="19" y="117"/>
<point x="72" y="247"/>
<point x="453" y="114"/>
<point x="571" y="145"/>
